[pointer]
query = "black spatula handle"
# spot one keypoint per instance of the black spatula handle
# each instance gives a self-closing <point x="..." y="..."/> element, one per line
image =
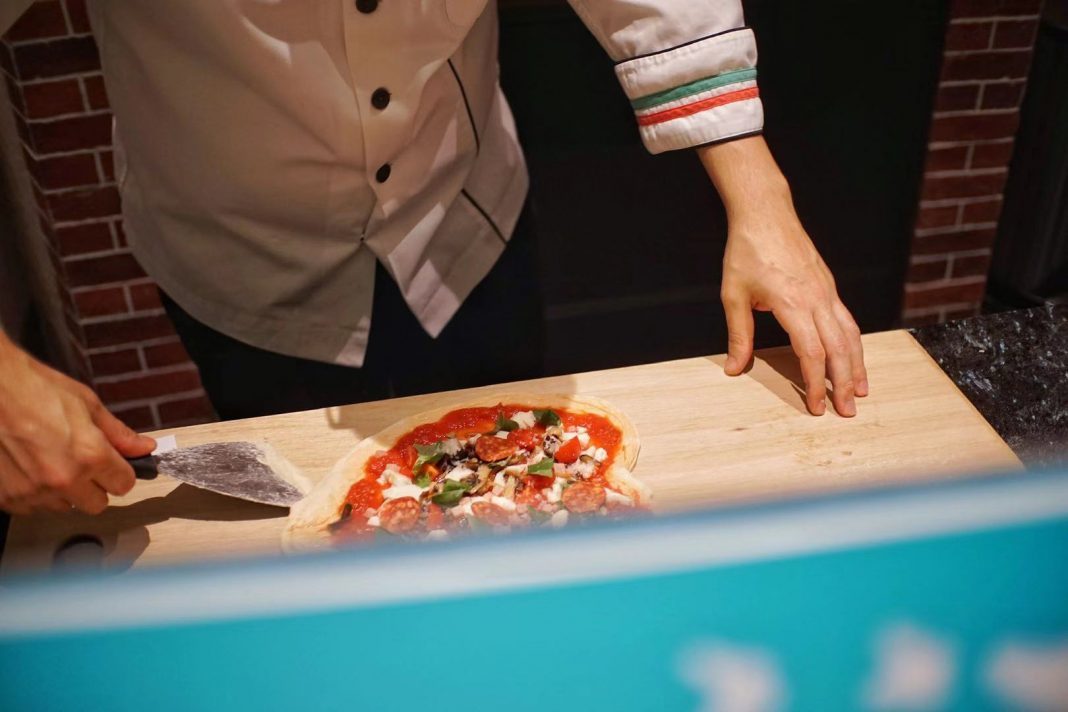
<point x="146" y="468"/>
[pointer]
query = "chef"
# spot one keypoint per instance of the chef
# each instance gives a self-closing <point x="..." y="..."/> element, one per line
<point x="331" y="197"/>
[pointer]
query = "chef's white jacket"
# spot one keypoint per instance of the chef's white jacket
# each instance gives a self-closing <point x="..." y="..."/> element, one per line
<point x="269" y="151"/>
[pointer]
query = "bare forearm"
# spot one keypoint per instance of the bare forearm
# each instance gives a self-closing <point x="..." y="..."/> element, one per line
<point x="746" y="176"/>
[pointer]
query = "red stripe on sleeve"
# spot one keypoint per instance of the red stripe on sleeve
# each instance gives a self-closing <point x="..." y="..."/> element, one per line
<point x="698" y="106"/>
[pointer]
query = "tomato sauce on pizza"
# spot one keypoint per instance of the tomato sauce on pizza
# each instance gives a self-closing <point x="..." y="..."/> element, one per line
<point x="500" y="467"/>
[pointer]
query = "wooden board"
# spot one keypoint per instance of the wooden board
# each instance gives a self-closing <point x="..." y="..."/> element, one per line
<point x="707" y="439"/>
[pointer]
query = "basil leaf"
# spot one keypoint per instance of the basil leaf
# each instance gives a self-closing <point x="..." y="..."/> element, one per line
<point x="423" y="480"/>
<point x="547" y="417"/>
<point x="428" y="455"/>
<point x="452" y="494"/>
<point x="541" y="467"/>
<point x="537" y="516"/>
<point x="505" y="424"/>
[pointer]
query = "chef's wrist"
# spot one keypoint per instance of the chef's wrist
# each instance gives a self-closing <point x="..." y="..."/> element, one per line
<point x="748" y="180"/>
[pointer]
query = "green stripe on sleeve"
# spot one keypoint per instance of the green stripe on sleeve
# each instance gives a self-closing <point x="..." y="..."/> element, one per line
<point x="696" y="87"/>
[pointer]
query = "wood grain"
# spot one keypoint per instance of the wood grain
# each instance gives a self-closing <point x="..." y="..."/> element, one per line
<point x="707" y="439"/>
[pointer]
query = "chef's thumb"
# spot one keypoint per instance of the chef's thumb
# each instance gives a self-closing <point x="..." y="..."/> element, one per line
<point x="121" y="437"/>
<point x="739" y="334"/>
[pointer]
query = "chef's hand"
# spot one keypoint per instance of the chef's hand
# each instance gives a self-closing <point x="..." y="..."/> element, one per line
<point x="59" y="446"/>
<point x="770" y="264"/>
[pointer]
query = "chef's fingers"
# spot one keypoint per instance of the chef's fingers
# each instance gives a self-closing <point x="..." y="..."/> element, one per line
<point x="739" y="332"/>
<point x="97" y="461"/>
<point x="87" y="496"/>
<point x="805" y="340"/>
<point x="839" y="362"/>
<point x="121" y="437"/>
<point x="856" y="347"/>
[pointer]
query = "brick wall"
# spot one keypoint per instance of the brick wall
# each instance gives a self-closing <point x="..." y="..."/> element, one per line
<point x="984" y="69"/>
<point x="120" y="339"/>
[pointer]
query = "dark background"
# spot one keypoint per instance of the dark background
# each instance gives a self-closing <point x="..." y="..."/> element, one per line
<point x="631" y="244"/>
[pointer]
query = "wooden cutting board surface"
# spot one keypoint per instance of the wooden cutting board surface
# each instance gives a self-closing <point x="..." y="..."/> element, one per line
<point x="707" y="439"/>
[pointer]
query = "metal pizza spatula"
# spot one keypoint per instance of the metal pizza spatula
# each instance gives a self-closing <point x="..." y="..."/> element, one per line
<point x="251" y="471"/>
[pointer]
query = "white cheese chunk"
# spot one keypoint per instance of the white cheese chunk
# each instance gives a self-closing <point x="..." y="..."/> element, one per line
<point x="569" y="436"/>
<point x="515" y="470"/>
<point x="579" y="429"/>
<point x="503" y="502"/>
<point x="398" y="491"/>
<point x="600" y="455"/>
<point x="450" y="446"/>
<point x="458" y="473"/>
<point x="559" y="519"/>
<point x="502" y="434"/>
<point x="553" y="494"/>
<point x="373" y="522"/>
<point x="584" y="439"/>
<point x="437" y="535"/>
<point x="525" y="419"/>
<point x="612" y="496"/>
<point x="499" y="480"/>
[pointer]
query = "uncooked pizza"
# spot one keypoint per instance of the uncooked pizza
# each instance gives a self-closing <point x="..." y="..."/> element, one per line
<point x="519" y="461"/>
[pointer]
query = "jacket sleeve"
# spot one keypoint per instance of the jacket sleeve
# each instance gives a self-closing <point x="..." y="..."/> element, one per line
<point x="687" y="66"/>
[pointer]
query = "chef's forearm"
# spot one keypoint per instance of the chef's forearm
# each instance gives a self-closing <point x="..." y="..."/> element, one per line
<point x="747" y="177"/>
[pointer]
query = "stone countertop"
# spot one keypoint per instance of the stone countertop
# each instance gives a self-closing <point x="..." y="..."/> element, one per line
<point x="1013" y="367"/>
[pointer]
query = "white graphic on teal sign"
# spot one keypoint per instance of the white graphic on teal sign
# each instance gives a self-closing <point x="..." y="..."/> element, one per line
<point x="914" y="670"/>
<point x="732" y="678"/>
<point x="1030" y="676"/>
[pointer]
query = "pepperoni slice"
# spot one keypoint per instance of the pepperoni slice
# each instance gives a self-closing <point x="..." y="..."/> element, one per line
<point x="492" y="448"/>
<point x="529" y="496"/>
<point x="583" y="497"/>
<point x="435" y="517"/>
<point x="400" y="515"/>
<point x="490" y="513"/>
<point x="527" y="438"/>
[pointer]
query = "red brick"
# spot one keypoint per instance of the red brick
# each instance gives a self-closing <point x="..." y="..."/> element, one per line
<point x="958" y="97"/>
<point x="138" y="418"/>
<point x="102" y="270"/>
<point x="946" y="159"/>
<point x="61" y="172"/>
<point x="1005" y="64"/>
<point x="992" y="155"/>
<point x="57" y="58"/>
<point x="79" y="16"/>
<point x="981" y="212"/>
<point x="128" y="331"/>
<point x="988" y="8"/>
<point x="185" y="411"/>
<point x="975" y="127"/>
<point x="79" y="239"/>
<point x="963" y="186"/>
<point x="107" y="164"/>
<point x="144" y="296"/>
<point x="976" y="265"/>
<point x="950" y="294"/>
<point x="115" y="362"/>
<point x="942" y="216"/>
<point x="40" y="21"/>
<point x="100" y="302"/>
<point x="49" y="99"/>
<point x="150" y="385"/>
<point x="161" y="355"/>
<point x="927" y="271"/>
<point x="974" y="239"/>
<point x="1003" y="95"/>
<point x="85" y="204"/>
<point x="96" y="92"/>
<point x="1015" y="33"/>
<point x="71" y="134"/>
<point x="968" y="35"/>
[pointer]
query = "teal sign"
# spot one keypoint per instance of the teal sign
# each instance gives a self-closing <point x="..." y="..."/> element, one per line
<point x="942" y="597"/>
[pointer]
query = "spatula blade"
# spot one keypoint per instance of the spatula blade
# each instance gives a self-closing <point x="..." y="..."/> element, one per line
<point x="237" y="469"/>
